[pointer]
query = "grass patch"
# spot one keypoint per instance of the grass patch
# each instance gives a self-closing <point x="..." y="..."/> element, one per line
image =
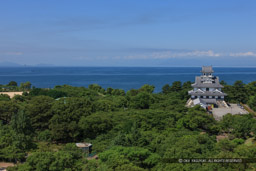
<point x="249" y="142"/>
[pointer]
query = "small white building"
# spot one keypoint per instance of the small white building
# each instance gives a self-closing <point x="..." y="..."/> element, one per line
<point x="86" y="147"/>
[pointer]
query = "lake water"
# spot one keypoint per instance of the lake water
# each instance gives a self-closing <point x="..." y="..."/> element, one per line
<point x="117" y="77"/>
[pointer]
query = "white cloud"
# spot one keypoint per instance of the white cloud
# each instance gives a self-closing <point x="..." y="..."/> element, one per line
<point x="174" y="54"/>
<point x="185" y="54"/>
<point x="196" y="53"/>
<point x="243" y="54"/>
<point x="203" y="53"/>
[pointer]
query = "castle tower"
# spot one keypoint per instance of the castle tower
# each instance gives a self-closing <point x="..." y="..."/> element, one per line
<point x="207" y="89"/>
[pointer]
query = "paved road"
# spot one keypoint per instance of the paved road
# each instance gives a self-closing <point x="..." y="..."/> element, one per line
<point x="218" y="113"/>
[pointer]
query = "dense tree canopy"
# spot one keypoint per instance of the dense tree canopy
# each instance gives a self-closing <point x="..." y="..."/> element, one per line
<point x="66" y="115"/>
<point x="133" y="130"/>
<point x="12" y="83"/>
<point x="39" y="111"/>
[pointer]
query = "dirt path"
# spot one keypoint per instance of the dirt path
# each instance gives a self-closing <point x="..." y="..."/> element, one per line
<point x="249" y="109"/>
<point x="5" y="164"/>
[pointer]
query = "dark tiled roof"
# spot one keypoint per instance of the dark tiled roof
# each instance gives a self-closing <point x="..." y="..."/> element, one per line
<point x="207" y="93"/>
<point x="207" y="69"/>
<point x="199" y="84"/>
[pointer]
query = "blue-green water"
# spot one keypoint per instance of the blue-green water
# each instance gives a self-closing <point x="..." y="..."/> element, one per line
<point x="117" y="77"/>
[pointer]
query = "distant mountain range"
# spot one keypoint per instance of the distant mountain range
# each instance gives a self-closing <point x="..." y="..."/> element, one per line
<point x="12" y="64"/>
<point x="44" y="65"/>
<point x="9" y="64"/>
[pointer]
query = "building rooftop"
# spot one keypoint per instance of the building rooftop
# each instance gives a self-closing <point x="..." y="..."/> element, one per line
<point x="82" y="145"/>
<point x="207" y="93"/>
<point x="199" y="83"/>
<point x="207" y="69"/>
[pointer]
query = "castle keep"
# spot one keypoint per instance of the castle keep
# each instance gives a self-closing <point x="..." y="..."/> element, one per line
<point x="207" y="90"/>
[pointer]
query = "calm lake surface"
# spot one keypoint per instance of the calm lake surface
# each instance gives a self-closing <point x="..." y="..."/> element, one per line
<point x="117" y="77"/>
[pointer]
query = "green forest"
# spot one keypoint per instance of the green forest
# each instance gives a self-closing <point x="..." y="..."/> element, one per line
<point x="137" y="130"/>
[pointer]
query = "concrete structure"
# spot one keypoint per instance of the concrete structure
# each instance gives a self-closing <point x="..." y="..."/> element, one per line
<point x="207" y="90"/>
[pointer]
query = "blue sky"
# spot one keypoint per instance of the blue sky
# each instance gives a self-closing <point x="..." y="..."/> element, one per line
<point x="128" y="33"/>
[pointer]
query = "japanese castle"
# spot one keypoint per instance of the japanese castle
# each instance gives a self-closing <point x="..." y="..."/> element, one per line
<point x="207" y="90"/>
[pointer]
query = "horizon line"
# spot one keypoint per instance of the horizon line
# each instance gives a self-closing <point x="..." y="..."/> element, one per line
<point x="69" y="66"/>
